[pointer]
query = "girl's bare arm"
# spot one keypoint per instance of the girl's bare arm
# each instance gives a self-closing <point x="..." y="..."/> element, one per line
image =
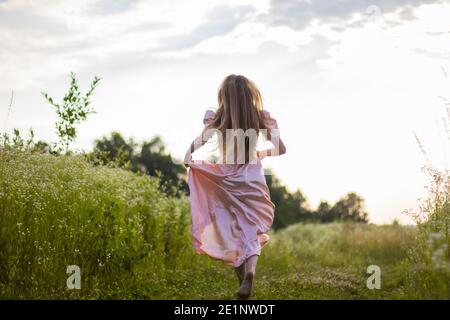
<point x="278" y="149"/>
<point x="272" y="134"/>
<point x="196" y="144"/>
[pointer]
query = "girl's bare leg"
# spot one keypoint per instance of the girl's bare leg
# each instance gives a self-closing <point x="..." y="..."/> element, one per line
<point x="245" y="289"/>
<point x="240" y="272"/>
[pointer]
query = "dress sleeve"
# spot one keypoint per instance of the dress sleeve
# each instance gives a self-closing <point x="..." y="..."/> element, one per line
<point x="269" y="121"/>
<point x="209" y="116"/>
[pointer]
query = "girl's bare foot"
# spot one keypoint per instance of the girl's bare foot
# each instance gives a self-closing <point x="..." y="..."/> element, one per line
<point x="245" y="290"/>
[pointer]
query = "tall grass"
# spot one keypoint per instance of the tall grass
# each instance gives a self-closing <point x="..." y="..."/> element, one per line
<point x="132" y="241"/>
<point x="317" y="261"/>
<point x="431" y="254"/>
<point x="60" y="211"/>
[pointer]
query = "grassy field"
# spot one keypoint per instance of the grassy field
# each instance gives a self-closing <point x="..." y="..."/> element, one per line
<point x="132" y="242"/>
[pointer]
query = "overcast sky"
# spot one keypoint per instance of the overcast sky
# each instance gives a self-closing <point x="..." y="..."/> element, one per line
<point x="348" y="81"/>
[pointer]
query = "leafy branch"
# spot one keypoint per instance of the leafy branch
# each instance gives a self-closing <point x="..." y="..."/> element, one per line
<point x="71" y="111"/>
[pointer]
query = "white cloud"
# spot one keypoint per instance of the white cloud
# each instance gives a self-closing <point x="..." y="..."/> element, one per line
<point x="300" y="14"/>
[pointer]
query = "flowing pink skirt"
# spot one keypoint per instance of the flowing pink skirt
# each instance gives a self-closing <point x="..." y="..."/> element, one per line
<point x="231" y="210"/>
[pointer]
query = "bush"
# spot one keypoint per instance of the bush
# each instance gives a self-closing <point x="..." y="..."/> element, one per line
<point x="60" y="211"/>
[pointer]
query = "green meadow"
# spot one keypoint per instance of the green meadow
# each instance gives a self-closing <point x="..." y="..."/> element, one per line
<point x="131" y="241"/>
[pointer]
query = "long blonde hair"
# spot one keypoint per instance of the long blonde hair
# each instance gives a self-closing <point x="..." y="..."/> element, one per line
<point x="240" y="106"/>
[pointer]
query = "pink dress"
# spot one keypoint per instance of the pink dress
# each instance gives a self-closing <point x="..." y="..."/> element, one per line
<point x="231" y="210"/>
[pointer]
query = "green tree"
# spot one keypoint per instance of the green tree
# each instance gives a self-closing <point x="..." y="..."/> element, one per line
<point x="324" y="213"/>
<point x="290" y="208"/>
<point x="350" y="208"/>
<point x="155" y="161"/>
<point x="150" y="158"/>
<point x="115" y="149"/>
<point x="71" y="111"/>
